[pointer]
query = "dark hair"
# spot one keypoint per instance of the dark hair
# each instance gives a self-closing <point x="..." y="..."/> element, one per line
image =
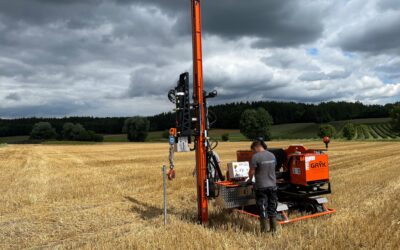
<point x="258" y="143"/>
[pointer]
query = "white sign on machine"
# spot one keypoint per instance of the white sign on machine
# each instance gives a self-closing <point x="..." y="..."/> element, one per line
<point x="238" y="170"/>
<point x="182" y="145"/>
<point x="308" y="160"/>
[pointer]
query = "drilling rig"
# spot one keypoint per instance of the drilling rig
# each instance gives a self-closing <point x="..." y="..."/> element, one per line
<point x="302" y="174"/>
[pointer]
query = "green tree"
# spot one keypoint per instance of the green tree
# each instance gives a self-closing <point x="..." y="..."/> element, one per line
<point x="136" y="128"/>
<point x="66" y="132"/>
<point x="395" y="115"/>
<point x="79" y="133"/>
<point x="255" y="123"/>
<point x="225" y="137"/>
<point x="326" y="130"/>
<point x="95" y="137"/>
<point x="43" y="131"/>
<point x="349" y="131"/>
<point x="76" y="132"/>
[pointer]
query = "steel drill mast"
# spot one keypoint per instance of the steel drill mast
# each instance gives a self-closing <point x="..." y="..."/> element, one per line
<point x="200" y="114"/>
<point x="192" y="122"/>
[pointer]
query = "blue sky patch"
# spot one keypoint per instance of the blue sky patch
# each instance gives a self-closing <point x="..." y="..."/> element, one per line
<point x="313" y="51"/>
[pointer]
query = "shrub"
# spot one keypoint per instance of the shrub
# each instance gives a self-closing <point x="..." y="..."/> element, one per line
<point x="395" y="115"/>
<point x="67" y="131"/>
<point x="76" y="132"/>
<point x="256" y="123"/>
<point x="43" y="131"/>
<point x="326" y="130"/>
<point x="79" y="133"/>
<point x="165" y="134"/>
<point x="136" y="128"/>
<point x="225" y="137"/>
<point x="349" y="131"/>
<point x="95" y="137"/>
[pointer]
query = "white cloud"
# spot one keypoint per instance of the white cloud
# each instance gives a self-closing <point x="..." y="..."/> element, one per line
<point x="106" y="58"/>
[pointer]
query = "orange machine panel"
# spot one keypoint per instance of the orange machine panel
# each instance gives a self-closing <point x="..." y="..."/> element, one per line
<point x="309" y="168"/>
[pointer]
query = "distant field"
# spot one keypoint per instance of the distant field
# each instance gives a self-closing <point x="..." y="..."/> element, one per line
<point x="153" y="136"/>
<point x="367" y="129"/>
<point x="13" y="139"/>
<point x="374" y="128"/>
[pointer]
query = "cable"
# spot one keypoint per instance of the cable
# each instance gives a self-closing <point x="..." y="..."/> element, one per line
<point x="212" y="144"/>
<point x="213" y="115"/>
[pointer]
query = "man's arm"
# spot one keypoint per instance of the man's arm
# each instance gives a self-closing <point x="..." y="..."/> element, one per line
<point x="253" y="166"/>
<point x="252" y="171"/>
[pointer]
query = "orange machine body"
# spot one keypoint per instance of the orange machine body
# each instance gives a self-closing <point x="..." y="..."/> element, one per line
<point x="307" y="165"/>
<point x="306" y="168"/>
<point x="302" y="177"/>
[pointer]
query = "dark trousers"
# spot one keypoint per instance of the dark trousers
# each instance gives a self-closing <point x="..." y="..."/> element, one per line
<point x="267" y="201"/>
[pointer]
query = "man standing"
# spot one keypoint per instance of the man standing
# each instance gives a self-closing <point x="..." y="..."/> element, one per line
<point x="262" y="166"/>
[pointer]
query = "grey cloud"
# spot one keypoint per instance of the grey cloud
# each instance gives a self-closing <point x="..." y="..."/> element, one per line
<point x="47" y="11"/>
<point x="289" y="61"/>
<point x="380" y="34"/>
<point x="274" y="23"/>
<point x="279" y="61"/>
<point x="232" y="90"/>
<point x="14" y="68"/>
<point x="51" y="109"/>
<point x="312" y="76"/>
<point x="269" y="91"/>
<point x="70" y="48"/>
<point x="319" y="76"/>
<point x="389" y="71"/>
<point x="150" y="81"/>
<point x="338" y="74"/>
<point x="13" y="97"/>
<point x="38" y="51"/>
<point x="134" y="50"/>
<point x="389" y="4"/>
<point x="391" y="67"/>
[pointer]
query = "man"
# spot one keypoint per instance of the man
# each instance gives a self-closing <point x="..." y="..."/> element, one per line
<point x="262" y="166"/>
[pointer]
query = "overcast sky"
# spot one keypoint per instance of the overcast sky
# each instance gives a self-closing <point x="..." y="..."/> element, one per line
<point x="120" y="57"/>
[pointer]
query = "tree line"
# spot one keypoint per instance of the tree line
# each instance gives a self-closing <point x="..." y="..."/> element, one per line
<point x="290" y="112"/>
<point x="70" y="132"/>
<point x="227" y="116"/>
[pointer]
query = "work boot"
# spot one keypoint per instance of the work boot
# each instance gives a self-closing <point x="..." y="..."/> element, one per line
<point x="263" y="224"/>
<point x="272" y="225"/>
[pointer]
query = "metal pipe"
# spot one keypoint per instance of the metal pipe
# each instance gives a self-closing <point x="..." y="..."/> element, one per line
<point x="198" y="97"/>
<point x="164" y="171"/>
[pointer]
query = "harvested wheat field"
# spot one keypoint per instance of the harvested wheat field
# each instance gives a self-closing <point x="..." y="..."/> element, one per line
<point x="109" y="196"/>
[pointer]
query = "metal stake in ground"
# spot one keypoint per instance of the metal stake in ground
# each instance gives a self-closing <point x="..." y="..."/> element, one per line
<point x="164" y="171"/>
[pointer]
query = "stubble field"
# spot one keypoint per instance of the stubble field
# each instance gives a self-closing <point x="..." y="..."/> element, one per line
<point x="109" y="196"/>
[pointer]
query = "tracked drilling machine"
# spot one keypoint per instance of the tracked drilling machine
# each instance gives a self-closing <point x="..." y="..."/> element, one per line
<point x="302" y="174"/>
